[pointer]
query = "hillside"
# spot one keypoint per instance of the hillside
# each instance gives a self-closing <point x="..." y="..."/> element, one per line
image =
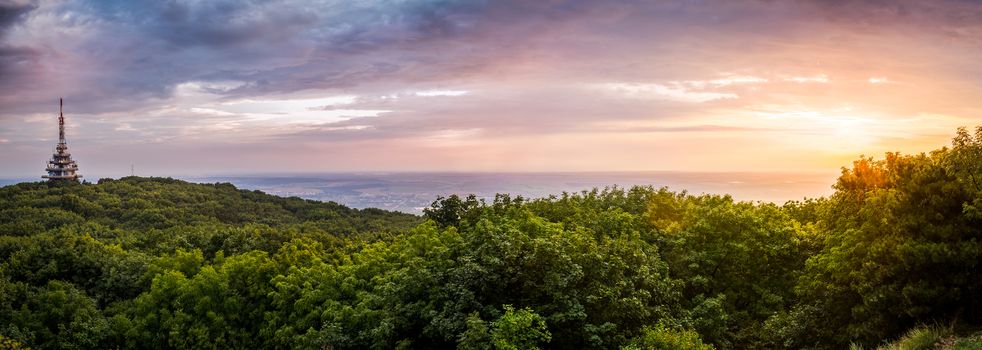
<point x="135" y="203"/>
<point x="160" y="263"/>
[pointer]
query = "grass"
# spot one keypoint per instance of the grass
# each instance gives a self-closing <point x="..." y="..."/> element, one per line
<point x="971" y="343"/>
<point x="931" y="338"/>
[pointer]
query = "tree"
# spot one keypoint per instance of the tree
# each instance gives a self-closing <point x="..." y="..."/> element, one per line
<point x="660" y="337"/>
<point x="519" y="329"/>
<point x="902" y="247"/>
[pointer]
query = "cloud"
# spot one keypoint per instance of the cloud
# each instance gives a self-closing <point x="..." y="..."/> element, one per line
<point x="727" y="81"/>
<point x="689" y="129"/>
<point x="499" y="111"/>
<point x="279" y="75"/>
<point x="659" y="91"/>
<point x="821" y="78"/>
<point x="140" y="51"/>
<point x="14" y="58"/>
<point x="432" y="93"/>
<point x="12" y="12"/>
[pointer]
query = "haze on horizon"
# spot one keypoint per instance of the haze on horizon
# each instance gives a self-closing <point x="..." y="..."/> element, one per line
<point x="225" y="87"/>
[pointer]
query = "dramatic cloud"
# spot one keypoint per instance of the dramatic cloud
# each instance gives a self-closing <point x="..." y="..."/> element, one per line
<point x="322" y="85"/>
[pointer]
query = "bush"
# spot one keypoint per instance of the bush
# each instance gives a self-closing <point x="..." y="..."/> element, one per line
<point x="662" y="338"/>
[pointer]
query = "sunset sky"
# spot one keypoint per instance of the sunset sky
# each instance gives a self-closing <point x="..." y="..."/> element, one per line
<point x="225" y="87"/>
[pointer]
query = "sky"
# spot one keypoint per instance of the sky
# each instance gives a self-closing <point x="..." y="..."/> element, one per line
<point x="271" y="86"/>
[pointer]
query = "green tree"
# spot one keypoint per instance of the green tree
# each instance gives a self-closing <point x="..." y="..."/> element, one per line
<point x="902" y="246"/>
<point x="662" y="338"/>
<point x="519" y="329"/>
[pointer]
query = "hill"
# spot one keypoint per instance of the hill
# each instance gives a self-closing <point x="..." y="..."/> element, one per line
<point x="134" y="203"/>
<point x="159" y="263"/>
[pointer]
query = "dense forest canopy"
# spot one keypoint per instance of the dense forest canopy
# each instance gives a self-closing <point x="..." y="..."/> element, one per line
<point x="162" y="263"/>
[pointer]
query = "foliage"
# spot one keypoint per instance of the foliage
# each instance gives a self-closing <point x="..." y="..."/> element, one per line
<point x="920" y="338"/>
<point x="968" y="343"/>
<point x="162" y="263"/>
<point x="11" y="344"/>
<point x="903" y="245"/>
<point x="662" y="338"/>
<point x="931" y="337"/>
<point x="519" y="329"/>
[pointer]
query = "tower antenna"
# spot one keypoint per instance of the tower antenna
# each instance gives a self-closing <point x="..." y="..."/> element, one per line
<point x="61" y="166"/>
<point x="61" y="120"/>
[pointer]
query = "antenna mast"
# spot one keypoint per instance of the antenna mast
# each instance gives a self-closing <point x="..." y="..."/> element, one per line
<point x="61" y="166"/>
<point x="61" y="120"/>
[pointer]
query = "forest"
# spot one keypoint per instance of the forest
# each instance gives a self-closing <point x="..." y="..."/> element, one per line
<point x="891" y="257"/>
